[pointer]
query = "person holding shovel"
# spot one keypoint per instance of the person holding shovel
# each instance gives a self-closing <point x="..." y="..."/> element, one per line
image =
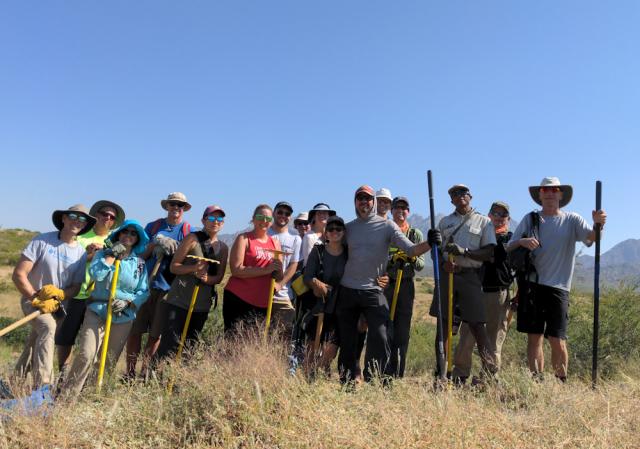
<point x="131" y="291"/>
<point x="166" y="234"/>
<point x="253" y="264"/>
<point x="404" y="285"/>
<point x="51" y="268"/>
<point x="470" y="239"/>
<point x="544" y="312"/>
<point x="191" y="270"/>
<point x="108" y="215"/>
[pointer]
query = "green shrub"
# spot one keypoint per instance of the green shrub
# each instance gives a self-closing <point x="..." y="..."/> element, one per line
<point x="15" y="337"/>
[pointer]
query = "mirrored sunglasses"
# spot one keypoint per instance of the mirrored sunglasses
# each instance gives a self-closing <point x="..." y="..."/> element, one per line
<point x="77" y="217"/>
<point x="265" y="218"/>
<point x="213" y="218"/>
<point x="107" y="216"/>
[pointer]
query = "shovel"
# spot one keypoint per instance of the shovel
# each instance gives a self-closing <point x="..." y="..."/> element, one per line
<point x="21" y="321"/>
<point x="272" y="285"/>
<point x="107" y="326"/>
<point x="450" y="323"/>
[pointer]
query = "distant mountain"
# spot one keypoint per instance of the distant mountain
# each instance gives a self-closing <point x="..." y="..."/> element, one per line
<point x="620" y="264"/>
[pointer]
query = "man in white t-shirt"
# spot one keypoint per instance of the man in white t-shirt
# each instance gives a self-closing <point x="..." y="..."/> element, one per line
<point x="283" y="311"/>
<point x="51" y="268"/>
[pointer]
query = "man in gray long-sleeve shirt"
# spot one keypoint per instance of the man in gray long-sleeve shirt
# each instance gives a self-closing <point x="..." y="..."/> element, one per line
<point x="368" y="241"/>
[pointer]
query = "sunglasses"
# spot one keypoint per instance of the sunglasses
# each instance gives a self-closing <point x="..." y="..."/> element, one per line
<point x="301" y="223"/>
<point x="500" y="214"/>
<point x="77" y="217"/>
<point x="131" y="232"/>
<point x="364" y="197"/>
<point x="107" y="216"/>
<point x="175" y="204"/>
<point x="335" y="229"/>
<point x="550" y="189"/>
<point x="459" y="193"/>
<point x="213" y="218"/>
<point x="284" y="212"/>
<point x="401" y="207"/>
<point x="265" y="218"/>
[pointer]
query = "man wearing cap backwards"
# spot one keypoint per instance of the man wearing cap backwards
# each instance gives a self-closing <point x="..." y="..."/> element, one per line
<point x="406" y="294"/>
<point x="165" y="235"/>
<point x="546" y="312"/>
<point x="108" y="215"/>
<point x="51" y="268"/>
<point x="283" y="310"/>
<point x="496" y="280"/>
<point x="368" y="239"/>
<point x="470" y="237"/>
<point x="383" y="202"/>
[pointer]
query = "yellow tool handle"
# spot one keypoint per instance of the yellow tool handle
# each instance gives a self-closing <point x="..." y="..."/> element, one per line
<point x="183" y="337"/>
<point x="107" y="326"/>
<point x="272" y="286"/>
<point x="20" y="322"/>
<point x="396" y="292"/>
<point x="450" y="324"/>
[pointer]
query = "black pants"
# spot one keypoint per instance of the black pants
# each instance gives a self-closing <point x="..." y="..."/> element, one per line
<point x="236" y="311"/>
<point x="401" y="328"/>
<point x="176" y="318"/>
<point x="373" y="304"/>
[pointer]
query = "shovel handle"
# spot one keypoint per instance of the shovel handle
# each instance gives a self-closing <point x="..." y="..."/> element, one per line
<point x="20" y="322"/>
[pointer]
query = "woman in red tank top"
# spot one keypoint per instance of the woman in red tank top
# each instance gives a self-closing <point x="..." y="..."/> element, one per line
<point x="251" y="262"/>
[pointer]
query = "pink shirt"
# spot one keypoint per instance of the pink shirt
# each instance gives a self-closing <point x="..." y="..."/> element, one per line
<point x="255" y="290"/>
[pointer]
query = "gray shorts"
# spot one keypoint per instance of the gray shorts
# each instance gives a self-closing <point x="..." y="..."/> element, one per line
<point x="152" y="315"/>
<point x="468" y="299"/>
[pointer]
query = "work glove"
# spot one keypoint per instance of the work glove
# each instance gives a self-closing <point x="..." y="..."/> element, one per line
<point x="118" y="306"/>
<point x="434" y="238"/>
<point x="46" y="306"/>
<point x="455" y="249"/>
<point x="167" y="244"/>
<point x="50" y="291"/>
<point x="117" y="250"/>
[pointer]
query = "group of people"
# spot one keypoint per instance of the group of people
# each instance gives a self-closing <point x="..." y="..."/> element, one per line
<point x="338" y="287"/>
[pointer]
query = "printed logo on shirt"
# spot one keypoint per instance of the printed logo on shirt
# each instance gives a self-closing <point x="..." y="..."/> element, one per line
<point x="63" y="257"/>
<point x="261" y="254"/>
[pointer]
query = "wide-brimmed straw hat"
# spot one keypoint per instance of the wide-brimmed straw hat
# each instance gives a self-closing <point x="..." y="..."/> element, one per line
<point x="552" y="181"/>
<point x="79" y="209"/>
<point x="98" y="205"/>
<point x="177" y="197"/>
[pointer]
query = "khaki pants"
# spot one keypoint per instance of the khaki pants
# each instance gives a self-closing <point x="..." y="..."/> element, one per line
<point x="283" y="316"/>
<point x="90" y="348"/>
<point x="497" y="307"/>
<point x="39" y="348"/>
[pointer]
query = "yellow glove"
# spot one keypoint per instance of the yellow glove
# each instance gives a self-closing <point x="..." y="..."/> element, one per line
<point x="50" y="291"/>
<point x="46" y="306"/>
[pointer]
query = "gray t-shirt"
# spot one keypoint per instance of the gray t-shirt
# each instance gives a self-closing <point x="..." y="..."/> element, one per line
<point x="554" y="259"/>
<point x="290" y="243"/>
<point x="368" y="241"/>
<point x="55" y="262"/>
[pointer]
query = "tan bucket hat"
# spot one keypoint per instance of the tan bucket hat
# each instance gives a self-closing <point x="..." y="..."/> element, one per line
<point x="552" y="181"/>
<point x="80" y="209"/>
<point x="178" y="197"/>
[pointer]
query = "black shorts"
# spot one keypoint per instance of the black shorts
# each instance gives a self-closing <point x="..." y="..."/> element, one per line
<point x="68" y="330"/>
<point x="545" y="310"/>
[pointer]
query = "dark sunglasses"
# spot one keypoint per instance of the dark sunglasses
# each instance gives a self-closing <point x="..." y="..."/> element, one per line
<point x="459" y="193"/>
<point x="398" y="206"/>
<point x="495" y="213"/>
<point x="213" y="218"/>
<point x="550" y="189"/>
<point x="335" y="229"/>
<point x="364" y="197"/>
<point x="131" y="232"/>
<point x="175" y="204"/>
<point x="284" y="212"/>
<point x="301" y="223"/>
<point x="77" y="217"/>
<point x="107" y="216"/>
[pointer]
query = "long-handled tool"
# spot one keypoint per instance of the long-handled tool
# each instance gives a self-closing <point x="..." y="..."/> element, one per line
<point x="436" y="294"/>
<point x="154" y="271"/>
<point x="450" y="321"/>
<point x="320" y="324"/>
<point x="596" y="291"/>
<point x="107" y="326"/>
<point x="20" y="322"/>
<point x="272" y="285"/>
<point x="400" y="260"/>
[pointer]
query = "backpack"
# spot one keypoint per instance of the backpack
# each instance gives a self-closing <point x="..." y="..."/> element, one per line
<point x="208" y="251"/>
<point x="186" y="228"/>
<point x="520" y="259"/>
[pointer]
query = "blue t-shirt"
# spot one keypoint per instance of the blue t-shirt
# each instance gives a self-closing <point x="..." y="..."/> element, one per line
<point x="164" y="278"/>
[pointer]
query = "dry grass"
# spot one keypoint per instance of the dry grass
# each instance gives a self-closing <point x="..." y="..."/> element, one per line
<point x="239" y="396"/>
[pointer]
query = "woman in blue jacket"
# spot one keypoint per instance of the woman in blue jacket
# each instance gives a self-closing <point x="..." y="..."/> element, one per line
<point x="132" y="290"/>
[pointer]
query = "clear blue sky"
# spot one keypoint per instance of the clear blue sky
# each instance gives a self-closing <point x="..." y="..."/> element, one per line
<point x="239" y="103"/>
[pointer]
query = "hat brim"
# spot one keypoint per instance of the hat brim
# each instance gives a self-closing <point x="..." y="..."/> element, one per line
<point x="186" y="208"/>
<point x="143" y="238"/>
<point x="120" y="215"/>
<point x="312" y="213"/>
<point x="56" y="217"/>
<point x="567" y="194"/>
